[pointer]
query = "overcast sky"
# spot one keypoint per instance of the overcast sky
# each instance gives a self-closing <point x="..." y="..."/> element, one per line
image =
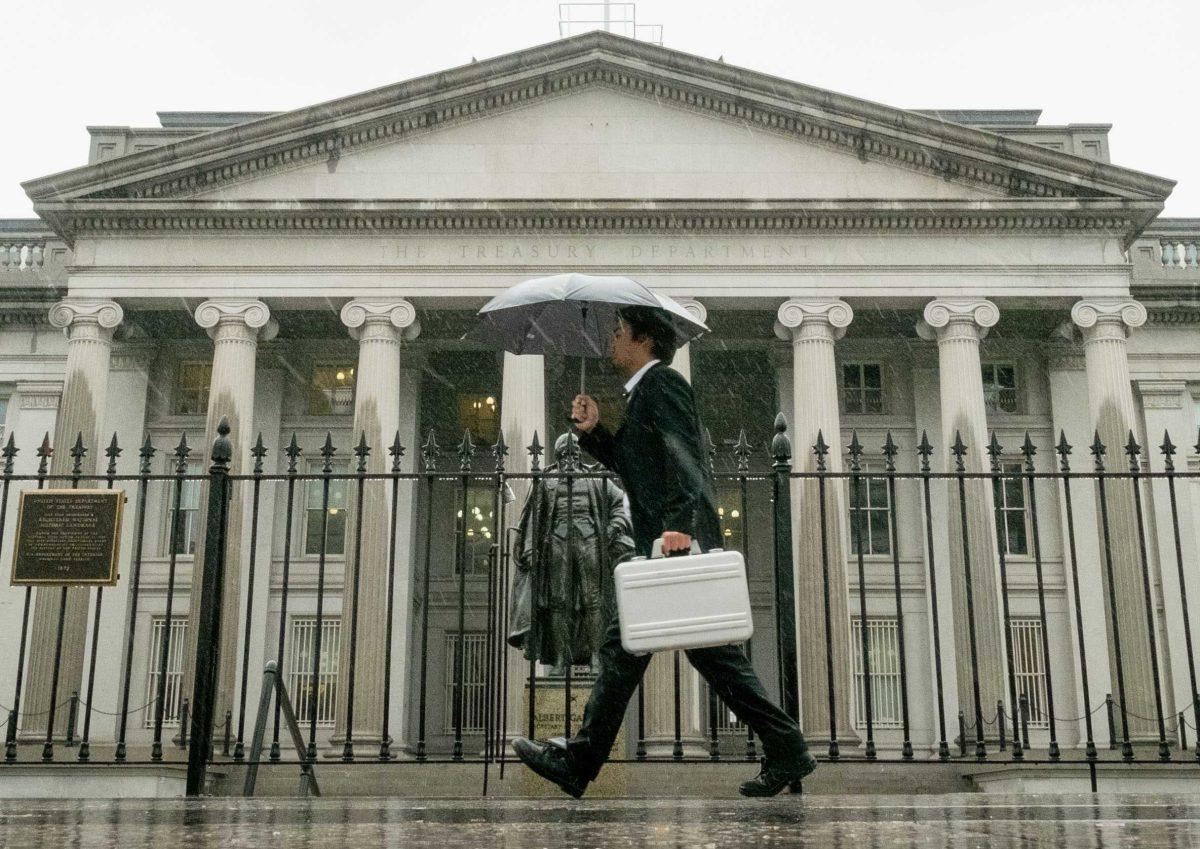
<point x="1135" y="64"/>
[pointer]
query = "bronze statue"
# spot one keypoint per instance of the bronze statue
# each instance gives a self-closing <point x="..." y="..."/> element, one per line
<point x="569" y="540"/>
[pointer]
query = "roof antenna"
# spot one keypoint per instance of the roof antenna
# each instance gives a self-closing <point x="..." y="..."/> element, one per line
<point x="575" y="18"/>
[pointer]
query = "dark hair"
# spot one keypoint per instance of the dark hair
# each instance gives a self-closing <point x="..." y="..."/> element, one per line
<point x="651" y="323"/>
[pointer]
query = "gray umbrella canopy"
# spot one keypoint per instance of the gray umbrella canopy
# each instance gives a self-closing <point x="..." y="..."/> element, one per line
<point x="570" y="314"/>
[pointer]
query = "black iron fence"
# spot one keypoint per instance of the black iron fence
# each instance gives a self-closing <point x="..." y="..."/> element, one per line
<point x="757" y="483"/>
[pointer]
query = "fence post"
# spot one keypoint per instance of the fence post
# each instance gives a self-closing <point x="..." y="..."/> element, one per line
<point x="208" y="631"/>
<point x="785" y="591"/>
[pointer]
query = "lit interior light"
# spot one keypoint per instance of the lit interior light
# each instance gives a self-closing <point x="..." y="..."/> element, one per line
<point x="333" y="511"/>
<point x="341" y="375"/>
<point x="460" y="514"/>
<point x="735" y="514"/>
<point x="491" y="402"/>
<point x="470" y="532"/>
<point x="728" y="532"/>
<point x="720" y="511"/>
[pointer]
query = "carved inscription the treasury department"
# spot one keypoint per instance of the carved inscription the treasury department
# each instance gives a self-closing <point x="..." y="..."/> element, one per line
<point x="586" y="252"/>
<point x="68" y="537"/>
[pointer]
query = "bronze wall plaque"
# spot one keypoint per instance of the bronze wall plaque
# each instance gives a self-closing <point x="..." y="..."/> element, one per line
<point x="68" y="537"/>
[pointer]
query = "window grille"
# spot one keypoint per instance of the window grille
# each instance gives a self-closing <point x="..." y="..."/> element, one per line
<point x="1028" y="669"/>
<point x="474" y="681"/>
<point x="177" y="638"/>
<point x="299" y="677"/>
<point x="870" y="511"/>
<point x="335" y="528"/>
<point x="883" y="651"/>
<point x="1000" y="393"/>
<point x="862" y="388"/>
<point x="1012" y="514"/>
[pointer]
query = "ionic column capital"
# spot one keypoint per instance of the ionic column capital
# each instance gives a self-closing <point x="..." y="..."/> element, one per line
<point x="947" y="317"/>
<point x="826" y="317"/>
<point x="247" y="314"/>
<point x="395" y="315"/>
<point x="694" y="308"/>
<point x="1107" y="317"/>
<point x="73" y="314"/>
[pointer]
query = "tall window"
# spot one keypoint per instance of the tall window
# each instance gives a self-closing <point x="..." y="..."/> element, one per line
<point x="883" y="654"/>
<point x="1000" y="388"/>
<point x="1012" y="515"/>
<point x="303" y="640"/>
<point x="174" y="676"/>
<point x="474" y="682"/>
<point x="335" y="526"/>
<point x="862" y="388"/>
<point x="1028" y="668"/>
<point x="729" y="511"/>
<point x="480" y="414"/>
<point x="332" y="390"/>
<point x="478" y="530"/>
<point x="870" y="511"/>
<point x="181" y="533"/>
<point x="191" y="389"/>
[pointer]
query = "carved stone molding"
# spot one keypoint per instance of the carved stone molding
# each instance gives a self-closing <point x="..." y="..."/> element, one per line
<point x="944" y="314"/>
<point x="1091" y="312"/>
<point x="251" y="313"/>
<point x="400" y="313"/>
<point x="104" y="314"/>
<point x="1162" y="394"/>
<point x="720" y="216"/>
<point x="795" y="313"/>
<point x="39" y="394"/>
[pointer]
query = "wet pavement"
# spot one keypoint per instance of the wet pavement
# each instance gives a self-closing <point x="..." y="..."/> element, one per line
<point x="854" y="822"/>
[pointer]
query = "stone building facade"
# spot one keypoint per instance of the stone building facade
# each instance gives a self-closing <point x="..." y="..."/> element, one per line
<point x="865" y="270"/>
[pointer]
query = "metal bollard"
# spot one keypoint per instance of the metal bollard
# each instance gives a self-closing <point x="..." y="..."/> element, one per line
<point x="72" y="716"/>
<point x="1025" y="718"/>
<point x="1000" y="723"/>
<point x="1183" y="743"/>
<point x="1112" y="729"/>
<point x="225" y="739"/>
<point x="962" y="734"/>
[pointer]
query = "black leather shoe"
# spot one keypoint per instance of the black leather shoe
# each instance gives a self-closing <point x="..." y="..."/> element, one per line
<point x="552" y="763"/>
<point x="774" y="778"/>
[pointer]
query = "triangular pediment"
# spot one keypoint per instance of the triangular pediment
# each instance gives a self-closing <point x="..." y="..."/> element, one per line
<point x="599" y="142"/>
<point x="524" y="126"/>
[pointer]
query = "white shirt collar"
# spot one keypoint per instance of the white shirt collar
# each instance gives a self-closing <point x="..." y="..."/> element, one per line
<point x="636" y="379"/>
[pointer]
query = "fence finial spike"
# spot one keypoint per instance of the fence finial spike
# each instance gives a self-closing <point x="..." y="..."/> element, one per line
<point x="1098" y="450"/>
<point x="1028" y="449"/>
<point x="1134" y="451"/>
<point x="293" y="454"/>
<point x="77" y="452"/>
<point x="821" y="450"/>
<point x="146" y="454"/>
<point x="889" y="453"/>
<point x="396" y="452"/>
<point x="994" y="450"/>
<point x="45" y="452"/>
<point x="430" y="451"/>
<point x="258" y="452"/>
<point x="535" y="454"/>
<point x="925" y="450"/>
<point x="9" y="452"/>
<point x="855" y="448"/>
<point x="327" y="452"/>
<point x="959" y="450"/>
<point x="500" y="451"/>
<point x="466" y="451"/>
<point x="362" y="451"/>
<point x="112" y="452"/>
<point x="742" y="452"/>
<point x="1168" y="451"/>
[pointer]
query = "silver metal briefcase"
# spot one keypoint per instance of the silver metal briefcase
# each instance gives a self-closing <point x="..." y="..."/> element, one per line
<point x="688" y="602"/>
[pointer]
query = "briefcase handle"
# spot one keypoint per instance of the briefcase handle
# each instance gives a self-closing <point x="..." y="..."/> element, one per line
<point x="656" y="549"/>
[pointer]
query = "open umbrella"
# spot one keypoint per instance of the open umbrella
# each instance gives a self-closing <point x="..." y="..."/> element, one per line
<point x="571" y="314"/>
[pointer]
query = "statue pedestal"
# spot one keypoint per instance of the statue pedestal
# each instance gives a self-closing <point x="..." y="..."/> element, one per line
<point x="549" y="720"/>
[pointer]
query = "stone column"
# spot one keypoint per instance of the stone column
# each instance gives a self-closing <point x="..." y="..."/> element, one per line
<point x="522" y="414"/>
<point x="89" y="326"/>
<point x="1167" y="409"/>
<point x="659" y="681"/>
<point x="379" y="327"/>
<point x="959" y="326"/>
<point x="236" y="326"/>
<point x="1105" y="323"/>
<point x="813" y="326"/>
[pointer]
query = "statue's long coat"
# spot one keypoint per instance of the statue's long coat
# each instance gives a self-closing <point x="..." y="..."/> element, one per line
<point x="561" y="605"/>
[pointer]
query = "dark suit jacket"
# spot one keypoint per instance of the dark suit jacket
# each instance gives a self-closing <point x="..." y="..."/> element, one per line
<point x="658" y="452"/>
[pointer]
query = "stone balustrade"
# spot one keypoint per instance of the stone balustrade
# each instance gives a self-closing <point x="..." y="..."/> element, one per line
<point x="30" y="251"/>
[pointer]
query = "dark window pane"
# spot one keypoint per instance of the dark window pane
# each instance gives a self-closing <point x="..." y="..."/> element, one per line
<point x="851" y="377"/>
<point x="1006" y="377"/>
<point x="1014" y="492"/>
<point x="855" y="522"/>
<point x="1016" y="533"/>
<point x="872" y="376"/>
<point x="880" y="533"/>
<point x="877" y="490"/>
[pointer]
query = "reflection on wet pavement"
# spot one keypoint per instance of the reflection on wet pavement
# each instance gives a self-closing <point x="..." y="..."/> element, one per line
<point x="853" y="822"/>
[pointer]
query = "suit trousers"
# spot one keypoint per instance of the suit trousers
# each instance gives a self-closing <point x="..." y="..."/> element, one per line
<point x="728" y="673"/>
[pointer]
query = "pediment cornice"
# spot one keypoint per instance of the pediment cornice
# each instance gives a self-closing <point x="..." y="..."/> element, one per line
<point x="96" y="217"/>
<point x="870" y="131"/>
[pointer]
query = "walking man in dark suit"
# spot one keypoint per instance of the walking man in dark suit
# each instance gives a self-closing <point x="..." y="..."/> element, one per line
<point x="657" y="452"/>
